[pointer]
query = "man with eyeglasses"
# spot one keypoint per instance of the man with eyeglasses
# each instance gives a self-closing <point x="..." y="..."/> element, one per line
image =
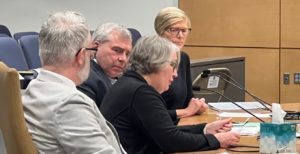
<point x="60" y="118"/>
<point x="113" y="42"/>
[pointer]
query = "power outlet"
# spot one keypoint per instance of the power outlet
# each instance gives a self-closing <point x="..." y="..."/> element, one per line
<point x="286" y="78"/>
<point x="296" y="78"/>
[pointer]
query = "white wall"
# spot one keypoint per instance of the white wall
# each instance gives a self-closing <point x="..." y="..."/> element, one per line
<point x="28" y="15"/>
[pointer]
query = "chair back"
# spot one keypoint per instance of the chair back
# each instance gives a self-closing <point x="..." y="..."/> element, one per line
<point x="11" y="54"/>
<point x="18" y="35"/>
<point x="13" y="127"/>
<point x="4" y="30"/>
<point x="211" y="82"/>
<point x="30" y="48"/>
<point x="3" y="35"/>
<point x="135" y="34"/>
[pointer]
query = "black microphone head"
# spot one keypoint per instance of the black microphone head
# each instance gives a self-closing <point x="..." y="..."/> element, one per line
<point x="196" y="88"/>
<point x="206" y="72"/>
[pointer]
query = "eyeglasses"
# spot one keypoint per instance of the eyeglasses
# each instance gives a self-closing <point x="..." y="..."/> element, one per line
<point x="94" y="51"/>
<point x="173" y="64"/>
<point x="176" y="31"/>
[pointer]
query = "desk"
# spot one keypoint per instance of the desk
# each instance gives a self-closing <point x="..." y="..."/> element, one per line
<point x="245" y="140"/>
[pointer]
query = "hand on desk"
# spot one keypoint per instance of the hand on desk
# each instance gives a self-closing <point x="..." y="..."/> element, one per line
<point x="219" y="126"/>
<point x="221" y="130"/>
<point x="202" y="105"/>
<point x="196" y="106"/>
<point x="228" y="138"/>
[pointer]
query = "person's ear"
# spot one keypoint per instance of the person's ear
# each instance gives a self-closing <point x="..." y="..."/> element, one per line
<point x="80" y="58"/>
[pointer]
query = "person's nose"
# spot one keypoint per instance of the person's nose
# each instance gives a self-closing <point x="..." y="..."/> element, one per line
<point x="180" y="34"/>
<point x="122" y="57"/>
<point x="175" y="73"/>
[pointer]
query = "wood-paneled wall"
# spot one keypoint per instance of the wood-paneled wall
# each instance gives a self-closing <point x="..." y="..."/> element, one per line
<point x="265" y="32"/>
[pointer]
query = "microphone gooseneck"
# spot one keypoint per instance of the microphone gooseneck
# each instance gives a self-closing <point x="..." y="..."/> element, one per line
<point x="262" y="102"/>
<point x="197" y="88"/>
<point x="239" y="86"/>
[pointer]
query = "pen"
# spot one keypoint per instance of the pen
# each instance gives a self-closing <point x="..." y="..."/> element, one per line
<point x="246" y="121"/>
<point x="241" y="123"/>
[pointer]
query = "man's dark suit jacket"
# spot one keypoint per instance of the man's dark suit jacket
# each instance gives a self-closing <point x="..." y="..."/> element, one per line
<point x="97" y="83"/>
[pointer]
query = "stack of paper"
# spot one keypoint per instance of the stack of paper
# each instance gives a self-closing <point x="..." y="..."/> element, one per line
<point x="230" y="106"/>
<point x="243" y="115"/>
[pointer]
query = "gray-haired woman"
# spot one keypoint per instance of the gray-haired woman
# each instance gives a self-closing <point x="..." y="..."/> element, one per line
<point x="138" y="112"/>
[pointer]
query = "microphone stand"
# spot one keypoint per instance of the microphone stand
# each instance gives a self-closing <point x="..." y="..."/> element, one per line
<point x="262" y="102"/>
<point x="198" y="89"/>
<point x="239" y="86"/>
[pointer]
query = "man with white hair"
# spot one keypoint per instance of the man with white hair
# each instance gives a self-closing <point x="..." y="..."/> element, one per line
<point x="60" y="118"/>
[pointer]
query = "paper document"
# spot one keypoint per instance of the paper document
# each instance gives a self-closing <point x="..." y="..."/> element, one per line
<point x="248" y="129"/>
<point x="230" y="106"/>
<point x="242" y="114"/>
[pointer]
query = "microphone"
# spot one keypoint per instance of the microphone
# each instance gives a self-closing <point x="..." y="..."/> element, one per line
<point x="198" y="88"/>
<point x="216" y="71"/>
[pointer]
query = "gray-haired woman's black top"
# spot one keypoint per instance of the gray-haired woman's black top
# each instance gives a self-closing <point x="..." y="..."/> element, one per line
<point x="143" y="123"/>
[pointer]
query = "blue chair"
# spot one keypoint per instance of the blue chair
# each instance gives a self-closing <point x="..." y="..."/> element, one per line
<point x="30" y="47"/>
<point x="18" y="35"/>
<point x="11" y="54"/>
<point x="4" y="30"/>
<point x="135" y="34"/>
<point x="3" y="35"/>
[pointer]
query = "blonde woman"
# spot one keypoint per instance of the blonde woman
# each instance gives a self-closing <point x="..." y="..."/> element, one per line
<point x="173" y="24"/>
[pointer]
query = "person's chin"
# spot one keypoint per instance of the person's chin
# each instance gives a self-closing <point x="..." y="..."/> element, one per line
<point x="166" y="89"/>
<point x="179" y="44"/>
<point x="118" y="70"/>
<point x="115" y="74"/>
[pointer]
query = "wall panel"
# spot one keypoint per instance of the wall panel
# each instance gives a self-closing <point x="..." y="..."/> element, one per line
<point x="251" y="23"/>
<point x="290" y="23"/>
<point x="290" y="63"/>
